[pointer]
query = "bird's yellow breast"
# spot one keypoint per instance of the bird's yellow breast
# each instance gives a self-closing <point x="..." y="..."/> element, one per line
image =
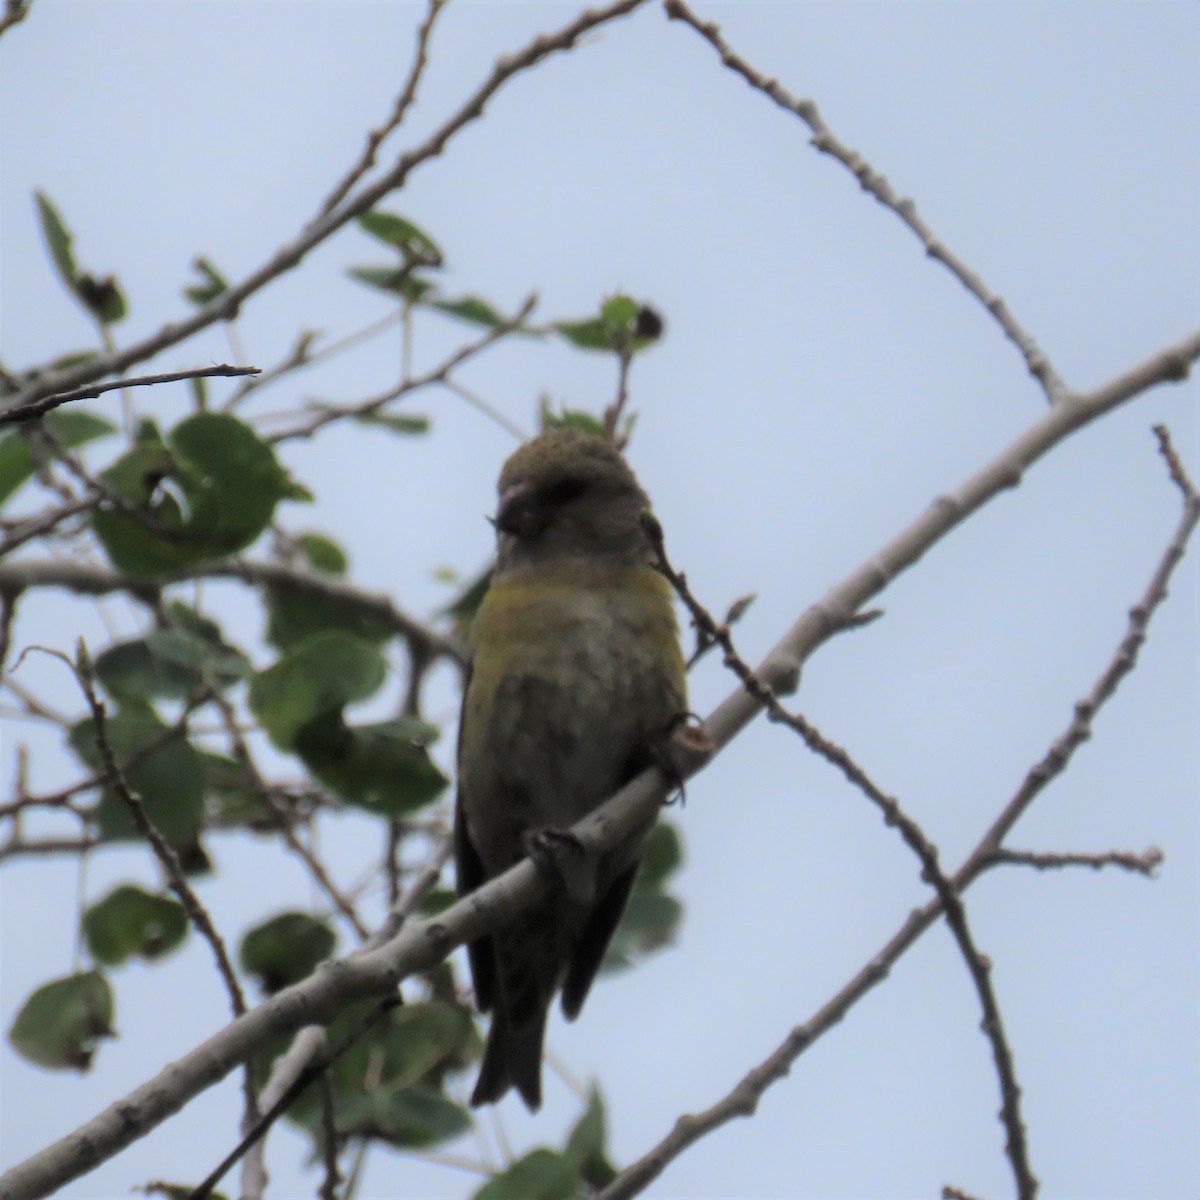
<point x="541" y="614"/>
<point x="578" y="655"/>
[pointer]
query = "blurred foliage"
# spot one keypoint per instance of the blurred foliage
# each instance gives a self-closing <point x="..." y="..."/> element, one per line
<point x="131" y="922"/>
<point x="185" y="702"/>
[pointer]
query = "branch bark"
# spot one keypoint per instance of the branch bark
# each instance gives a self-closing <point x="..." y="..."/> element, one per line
<point x="422" y="945"/>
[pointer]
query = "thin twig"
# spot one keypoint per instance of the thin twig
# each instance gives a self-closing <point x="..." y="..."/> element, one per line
<point x="489" y="410"/>
<point x="367" y="408"/>
<point x="743" y="1098"/>
<point x="302" y="356"/>
<point x="956" y="916"/>
<point x="165" y="853"/>
<point x="1175" y="468"/>
<point x="314" y="1070"/>
<point x="225" y="306"/>
<point x="241" y="752"/>
<point x="15" y="847"/>
<point x="15" y="11"/>
<point x="403" y="102"/>
<point x="42" y="523"/>
<point x="8" y="610"/>
<point x="1145" y="863"/>
<point x="877" y="185"/>
<point x="86" y="580"/>
<point x="613" y="413"/>
<point x="421" y="945"/>
<point x="417" y="890"/>
<point x="1122" y="662"/>
<point x="329" y="1143"/>
<point x="39" y="408"/>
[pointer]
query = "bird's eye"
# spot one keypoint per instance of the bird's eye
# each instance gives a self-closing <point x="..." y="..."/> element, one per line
<point x="565" y="490"/>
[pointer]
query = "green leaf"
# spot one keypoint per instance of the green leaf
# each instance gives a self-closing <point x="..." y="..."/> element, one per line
<point x="172" y="663"/>
<point x="318" y="676"/>
<point x="161" y="767"/>
<point x="465" y="605"/>
<point x="619" y="310"/>
<point x="417" y="1042"/>
<point x="569" y="419"/>
<point x="295" y="614"/>
<point x="397" y="422"/>
<point x="415" y="1117"/>
<point x="436" y="901"/>
<point x="387" y="1085"/>
<point x="208" y="491"/>
<point x="587" y="1146"/>
<point x="384" y="767"/>
<point x="60" y="1024"/>
<point x="285" y="949"/>
<point x="662" y="855"/>
<point x="132" y="671"/>
<point x="176" y="1191"/>
<point x="74" y="358"/>
<point x="72" y="427"/>
<point x="590" y="334"/>
<point x="541" y="1175"/>
<point x="58" y="239"/>
<point x="397" y="281"/>
<point x="129" y="922"/>
<point x="231" y="796"/>
<point x="471" y="309"/>
<point x="101" y="297"/>
<point x="212" y="283"/>
<point x="650" y="922"/>
<point x="622" y="326"/>
<point x="397" y="231"/>
<point x="323" y="554"/>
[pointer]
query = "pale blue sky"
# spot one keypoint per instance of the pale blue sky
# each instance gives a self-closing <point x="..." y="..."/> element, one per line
<point x="819" y="383"/>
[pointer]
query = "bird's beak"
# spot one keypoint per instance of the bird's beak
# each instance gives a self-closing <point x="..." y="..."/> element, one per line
<point x="519" y="512"/>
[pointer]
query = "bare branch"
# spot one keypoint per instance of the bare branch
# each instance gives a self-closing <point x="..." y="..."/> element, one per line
<point x="15" y="11"/>
<point x="42" y="523"/>
<point x="366" y="408"/>
<point x="836" y="609"/>
<point x="1175" y="467"/>
<point x="86" y="580"/>
<point x="1080" y="728"/>
<point x="403" y="102"/>
<point x="956" y="914"/>
<point x="420" y="945"/>
<point x="743" y="1099"/>
<point x="169" y="860"/>
<point x="1145" y="863"/>
<point x="872" y="181"/>
<point x="39" y="408"/>
<point x="14" y="846"/>
<point x="225" y="306"/>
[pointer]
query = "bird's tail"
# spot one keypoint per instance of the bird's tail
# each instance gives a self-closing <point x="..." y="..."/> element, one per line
<point x="512" y="1058"/>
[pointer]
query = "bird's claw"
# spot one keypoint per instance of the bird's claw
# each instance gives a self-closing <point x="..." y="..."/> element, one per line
<point x="560" y="856"/>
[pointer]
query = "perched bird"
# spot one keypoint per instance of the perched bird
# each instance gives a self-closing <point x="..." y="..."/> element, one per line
<point x="577" y="680"/>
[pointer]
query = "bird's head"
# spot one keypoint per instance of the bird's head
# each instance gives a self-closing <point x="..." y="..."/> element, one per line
<point x="569" y="495"/>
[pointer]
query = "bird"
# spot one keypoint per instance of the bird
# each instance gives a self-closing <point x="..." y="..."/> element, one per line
<point x="576" y="683"/>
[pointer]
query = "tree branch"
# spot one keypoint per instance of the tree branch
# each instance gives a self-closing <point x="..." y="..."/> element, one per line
<point x="225" y="306"/>
<point x="421" y="945"/>
<point x="876" y="184"/>
<point x="15" y="11"/>
<point x="39" y="408"/>
<point x="743" y="1099"/>
<point x="86" y="580"/>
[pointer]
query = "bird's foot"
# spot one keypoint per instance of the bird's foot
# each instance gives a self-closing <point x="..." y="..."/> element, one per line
<point x="560" y="856"/>
<point x="684" y="747"/>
